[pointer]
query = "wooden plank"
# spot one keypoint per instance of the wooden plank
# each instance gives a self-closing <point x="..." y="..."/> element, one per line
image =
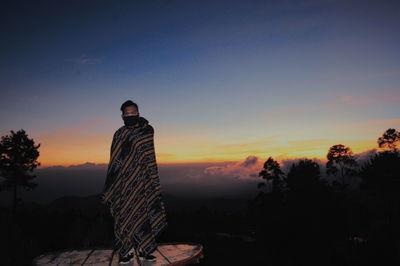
<point x="176" y="253"/>
<point x="63" y="257"/>
<point x="179" y="252"/>
<point x="99" y="256"/>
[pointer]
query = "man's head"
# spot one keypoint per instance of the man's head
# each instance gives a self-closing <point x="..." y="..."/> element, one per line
<point x="129" y="108"/>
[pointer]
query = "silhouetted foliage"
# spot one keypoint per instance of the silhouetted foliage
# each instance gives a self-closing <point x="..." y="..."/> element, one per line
<point x="341" y="161"/>
<point x="292" y="225"/>
<point x="382" y="172"/>
<point x="272" y="172"/>
<point x="304" y="181"/>
<point x="304" y="176"/>
<point x="389" y="139"/>
<point x="18" y="155"/>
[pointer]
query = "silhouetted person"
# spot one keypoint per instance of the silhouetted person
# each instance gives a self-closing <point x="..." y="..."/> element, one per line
<point x="132" y="188"/>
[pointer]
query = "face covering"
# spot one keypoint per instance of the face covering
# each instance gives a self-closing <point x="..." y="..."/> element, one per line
<point x="131" y="120"/>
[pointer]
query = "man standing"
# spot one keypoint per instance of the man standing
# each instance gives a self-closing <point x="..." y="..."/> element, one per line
<point x="132" y="189"/>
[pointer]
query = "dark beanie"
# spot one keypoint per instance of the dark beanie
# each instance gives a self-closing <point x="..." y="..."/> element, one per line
<point x="128" y="103"/>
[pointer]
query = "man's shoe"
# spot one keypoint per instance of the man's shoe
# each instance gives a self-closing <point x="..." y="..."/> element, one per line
<point x="148" y="257"/>
<point x="125" y="260"/>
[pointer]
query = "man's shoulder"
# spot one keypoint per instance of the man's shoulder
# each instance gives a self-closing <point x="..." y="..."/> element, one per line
<point x="118" y="131"/>
<point x="149" y="129"/>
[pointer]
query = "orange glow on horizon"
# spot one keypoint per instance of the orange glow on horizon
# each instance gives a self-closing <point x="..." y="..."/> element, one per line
<point x="91" y="143"/>
<point x="278" y="154"/>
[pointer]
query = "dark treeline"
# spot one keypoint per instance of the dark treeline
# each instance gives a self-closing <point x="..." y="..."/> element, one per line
<point x="296" y="218"/>
<point x="305" y="219"/>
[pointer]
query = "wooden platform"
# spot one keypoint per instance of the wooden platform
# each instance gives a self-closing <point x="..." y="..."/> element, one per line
<point x="173" y="253"/>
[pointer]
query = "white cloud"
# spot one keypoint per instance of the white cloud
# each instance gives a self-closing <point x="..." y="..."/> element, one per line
<point x="85" y="60"/>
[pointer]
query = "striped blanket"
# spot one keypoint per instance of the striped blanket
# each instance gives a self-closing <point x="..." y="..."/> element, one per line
<point x="132" y="189"/>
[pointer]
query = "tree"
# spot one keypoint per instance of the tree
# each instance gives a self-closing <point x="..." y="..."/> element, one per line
<point x="272" y="172"/>
<point x="304" y="177"/>
<point x="381" y="174"/>
<point x="308" y="200"/>
<point x="18" y="155"/>
<point x="341" y="160"/>
<point x="389" y="139"/>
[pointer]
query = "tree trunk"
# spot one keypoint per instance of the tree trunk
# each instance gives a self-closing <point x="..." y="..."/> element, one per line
<point x="15" y="199"/>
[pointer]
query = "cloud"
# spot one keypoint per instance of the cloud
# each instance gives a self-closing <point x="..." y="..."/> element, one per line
<point x="248" y="169"/>
<point x="365" y="155"/>
<point x="243" y="170"/>
<point x="383" y="74"/>
<point x="249" y="161"/>
<point x="362" y="100"/>
<point x="85" y="60"/>
<point x="374" y="123"/>
<point x="236" y="179"/>
<point x="388" y="97"/>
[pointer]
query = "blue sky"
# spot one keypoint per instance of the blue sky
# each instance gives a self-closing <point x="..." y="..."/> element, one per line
<point x="257" y="75"/>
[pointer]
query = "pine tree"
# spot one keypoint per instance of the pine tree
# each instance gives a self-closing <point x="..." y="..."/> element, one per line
<point x="18" y="155"/>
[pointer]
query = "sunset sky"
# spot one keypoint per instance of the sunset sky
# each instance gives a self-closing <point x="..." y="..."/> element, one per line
<point x="218" y="80"/>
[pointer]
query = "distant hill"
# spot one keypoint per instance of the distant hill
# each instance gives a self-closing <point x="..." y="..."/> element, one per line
<point x="173" y="203"/>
